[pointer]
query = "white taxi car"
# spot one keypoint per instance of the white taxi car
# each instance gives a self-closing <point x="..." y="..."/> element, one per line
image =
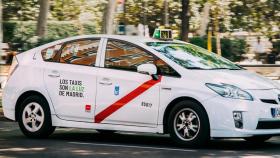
<point x="124" y="83"/>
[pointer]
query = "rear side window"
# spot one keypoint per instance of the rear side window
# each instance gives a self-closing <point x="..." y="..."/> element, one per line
<point x="81" y="52"/>
<point x="51" y="53"/>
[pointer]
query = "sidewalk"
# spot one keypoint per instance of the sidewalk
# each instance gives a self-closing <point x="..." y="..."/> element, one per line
<point x="2" y="118"/>
<point x="3" y="76"/>
<point x="1" y="111"/>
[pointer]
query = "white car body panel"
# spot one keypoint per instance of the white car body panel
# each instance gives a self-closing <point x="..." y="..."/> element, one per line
<point x="130" y="114"/>
<point x="75" y="105"/>
<point x="33" y="73"/>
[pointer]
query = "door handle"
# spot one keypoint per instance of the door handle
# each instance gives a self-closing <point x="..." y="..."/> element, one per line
<point x="105" y="81"/>
<point x="54" y="74"/>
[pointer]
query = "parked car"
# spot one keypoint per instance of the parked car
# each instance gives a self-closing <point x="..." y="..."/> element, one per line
<point x="172" y="87"/>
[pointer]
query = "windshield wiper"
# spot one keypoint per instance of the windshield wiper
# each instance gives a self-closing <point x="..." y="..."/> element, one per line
<point x="196" y="68"/>
<point x="235" y="69"/>
<point x="222" y="68"/>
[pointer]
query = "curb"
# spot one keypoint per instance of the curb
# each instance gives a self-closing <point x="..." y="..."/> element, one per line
<point x="2" y="118"/>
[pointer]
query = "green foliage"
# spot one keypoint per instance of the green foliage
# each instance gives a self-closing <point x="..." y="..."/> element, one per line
<point x="80" y="11"/>
<point x="276" y="46"/>
<point x="199" y="41"/>
<point x="258" y="16"/>
<point x="20" y="10"/>
<point x="23" y="32"/>
<point x="150" y="13"/>
<point x="250" y="15"/>
<point x="231" y="49"/>
<point x="60" y="11"/>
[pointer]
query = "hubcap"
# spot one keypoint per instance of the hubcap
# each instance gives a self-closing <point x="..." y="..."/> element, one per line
<point x="33" y="117"/>
<point x="186" y="124"/>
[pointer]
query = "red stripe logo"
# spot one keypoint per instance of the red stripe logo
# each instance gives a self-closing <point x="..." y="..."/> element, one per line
<point x="124" y="100"/>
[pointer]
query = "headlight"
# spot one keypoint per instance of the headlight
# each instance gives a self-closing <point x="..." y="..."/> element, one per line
<point x="230" y="91"/>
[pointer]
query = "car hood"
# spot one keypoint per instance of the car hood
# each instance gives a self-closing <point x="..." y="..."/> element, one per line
<point x="240" y="78"/>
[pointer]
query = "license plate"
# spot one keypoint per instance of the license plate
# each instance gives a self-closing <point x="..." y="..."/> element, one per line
<point x="275" y="112"/>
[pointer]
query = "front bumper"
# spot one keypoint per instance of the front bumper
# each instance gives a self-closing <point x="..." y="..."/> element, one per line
<point x="257" y="116"/>
<point x="236" y="133"/>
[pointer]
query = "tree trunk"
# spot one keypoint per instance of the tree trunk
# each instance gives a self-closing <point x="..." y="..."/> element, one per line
<point x="217" y="33"/>
<point x="204" y="19"/>
<point x="166" y="13"/>
<point x="124" y="16"/>
<point x="42" y="19"/>
<point x="185" y="20"/>
<point x="109" y="17"/>
<point x="1" y="23"/>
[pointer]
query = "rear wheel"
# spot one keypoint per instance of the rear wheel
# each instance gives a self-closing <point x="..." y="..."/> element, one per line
<point x="188" y="124"/>
<point x="257" y="139"/>
<point x="34" y="117"/>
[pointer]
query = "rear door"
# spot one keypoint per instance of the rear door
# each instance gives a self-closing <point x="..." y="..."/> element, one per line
<point x="70" y="77"/>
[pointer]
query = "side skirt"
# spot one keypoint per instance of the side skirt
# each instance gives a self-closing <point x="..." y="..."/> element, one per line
<point x="74" y="124"/>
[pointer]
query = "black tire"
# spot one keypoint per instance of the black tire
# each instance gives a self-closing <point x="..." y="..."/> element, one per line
<point x="202" y="134"/>
<point x="257" y="139"/>
<point x="45" y="129"/>
<point x="105" y="132"/>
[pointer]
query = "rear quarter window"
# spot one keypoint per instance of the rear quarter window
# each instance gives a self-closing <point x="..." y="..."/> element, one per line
<point x="80" y="52"/>
<point x="51" y="53"/>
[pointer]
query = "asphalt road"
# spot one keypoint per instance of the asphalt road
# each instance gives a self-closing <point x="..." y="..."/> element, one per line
<point x="70" y="142"/>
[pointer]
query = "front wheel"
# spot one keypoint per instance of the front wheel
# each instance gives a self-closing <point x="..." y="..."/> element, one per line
<point x="34" y="117"/>
<point x="188" y="124"/>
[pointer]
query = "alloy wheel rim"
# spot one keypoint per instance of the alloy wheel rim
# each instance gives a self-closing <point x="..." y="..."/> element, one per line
<point x="33" y="117"/>
<point x="186" y="124"/>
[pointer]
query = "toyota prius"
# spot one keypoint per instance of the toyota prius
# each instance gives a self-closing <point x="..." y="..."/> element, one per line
<point x="128" y="83"/>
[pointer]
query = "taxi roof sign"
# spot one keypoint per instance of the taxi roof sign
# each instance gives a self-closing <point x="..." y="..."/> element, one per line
<point x="163" y="34"/>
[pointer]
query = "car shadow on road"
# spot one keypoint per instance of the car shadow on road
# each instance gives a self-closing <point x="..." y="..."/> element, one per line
<point x="162" y="141"/>
<point x="71" y="142"/>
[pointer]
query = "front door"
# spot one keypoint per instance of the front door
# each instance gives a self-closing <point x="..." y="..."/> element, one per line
<point x="124" y="96"/>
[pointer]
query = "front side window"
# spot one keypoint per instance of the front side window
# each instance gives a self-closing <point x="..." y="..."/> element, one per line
<point x="191" y="56"/>
<point x="120" y="55"/>
<point x="125" y="56"/>
<point x="81" y="52"/>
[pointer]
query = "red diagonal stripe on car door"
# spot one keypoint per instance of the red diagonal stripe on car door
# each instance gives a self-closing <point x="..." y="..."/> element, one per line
<point x="124" y="100"/>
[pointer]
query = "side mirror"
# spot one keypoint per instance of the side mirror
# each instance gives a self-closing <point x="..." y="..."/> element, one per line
<point x="149" y="69"/>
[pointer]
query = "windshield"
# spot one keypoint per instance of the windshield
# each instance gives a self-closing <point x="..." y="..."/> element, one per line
<point x="191" y="56"/>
